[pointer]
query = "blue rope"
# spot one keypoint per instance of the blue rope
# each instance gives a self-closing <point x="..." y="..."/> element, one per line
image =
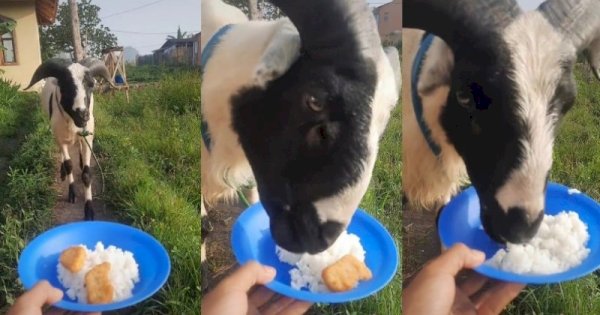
<point x="416" y="99"/>
<point x="206" y="54"/>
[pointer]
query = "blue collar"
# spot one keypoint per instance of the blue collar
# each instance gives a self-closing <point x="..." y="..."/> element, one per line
<point x="416" y="99"/>
<point x="206" y="54"/>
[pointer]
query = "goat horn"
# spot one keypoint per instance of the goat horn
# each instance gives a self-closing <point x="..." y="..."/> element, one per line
<point x="50" y="68"/>
<point x="97" y="69"/>
<point x="475" y="17"/>
<point x="333" y="29"/>
<point x="578" y="20"/>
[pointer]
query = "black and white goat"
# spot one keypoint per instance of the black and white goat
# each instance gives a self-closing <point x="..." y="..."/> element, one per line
<point x="296" y="106"/>
<point x="489" y="94"/>
<point x="68" y="101"/>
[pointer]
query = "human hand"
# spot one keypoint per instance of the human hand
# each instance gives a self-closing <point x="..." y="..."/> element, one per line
<point x="435" y="290"/>
<point x="235" y="295"/>
<point x="35" y="300"/>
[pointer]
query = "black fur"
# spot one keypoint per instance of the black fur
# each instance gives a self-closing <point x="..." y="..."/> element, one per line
<point x="299" y="155"/>
<point x="71" y="197"/>
<point x="86" y="176"/>
<point x="50" y="105"/>
<point x="89" y="211"/>
<point x="65" y="169"/>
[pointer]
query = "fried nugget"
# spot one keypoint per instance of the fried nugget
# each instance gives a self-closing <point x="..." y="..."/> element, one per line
<point x="73" y="258"/>
<point x="344" y="274"/>
<point x="98" y="286"/>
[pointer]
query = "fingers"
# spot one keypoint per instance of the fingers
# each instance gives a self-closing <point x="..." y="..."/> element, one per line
<point x="473" y="284"/>
<point x="41" y="294"/>
<point x="248" y="275"/>
<point x="277" y="306"/>
<point x="260" y="296"/>
<point x="493" y="300"/>
<point x="455" y="259"/>
<point x="298" y="307"/>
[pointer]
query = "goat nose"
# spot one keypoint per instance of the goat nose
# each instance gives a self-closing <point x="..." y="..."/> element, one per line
<point x="84" y="114"/>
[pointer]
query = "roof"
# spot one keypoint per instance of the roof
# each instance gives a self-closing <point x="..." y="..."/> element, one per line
<point x="393" y="2"/>
<point x="46" y="11"/>
<point x="172" y="41"/>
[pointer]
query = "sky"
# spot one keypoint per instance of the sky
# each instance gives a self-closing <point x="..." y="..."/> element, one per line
<point x="140" y="20"/>
<point x="145" y="24"/>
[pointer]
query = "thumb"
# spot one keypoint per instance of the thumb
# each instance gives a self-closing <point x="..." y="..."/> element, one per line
<point x="249" y="275"/>
<point x="42" y="293"/>
<point x="455" y="259"/>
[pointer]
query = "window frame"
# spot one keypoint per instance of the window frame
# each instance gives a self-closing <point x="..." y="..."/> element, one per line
<point x="14" y="50"/>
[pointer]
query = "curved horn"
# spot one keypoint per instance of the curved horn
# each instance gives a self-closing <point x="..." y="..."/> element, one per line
<point x="578" y="20"/>
<point x="97" y="69"/>
<point x="57" y="68"/>
<point x="457" y="21"/>
<point x="333" y="29"/>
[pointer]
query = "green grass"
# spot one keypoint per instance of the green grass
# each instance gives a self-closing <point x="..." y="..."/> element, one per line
<point x="149" y="149"/>
<point x="576" y="164"/>
<point x="152" y="73"/>
<point x="26" y="194"/>
<point x="383" y="200"/>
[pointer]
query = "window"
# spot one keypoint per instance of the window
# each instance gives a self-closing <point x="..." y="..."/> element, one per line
<point x="7" y="55"/>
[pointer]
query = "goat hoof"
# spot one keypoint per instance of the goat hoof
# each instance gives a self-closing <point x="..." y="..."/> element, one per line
<point x="72" y="192"/>
<point x="89" y="211"/>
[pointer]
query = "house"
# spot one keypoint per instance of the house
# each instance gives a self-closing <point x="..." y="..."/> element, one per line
<point x="179" y="52"/>
<point x="389" y="21"/>
<point x="21" y="54"/>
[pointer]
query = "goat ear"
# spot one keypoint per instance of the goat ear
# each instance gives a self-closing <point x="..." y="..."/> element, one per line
<point x="593" y="55"/>
<point x="281" y="52"/>
<point x="50" y="68"/>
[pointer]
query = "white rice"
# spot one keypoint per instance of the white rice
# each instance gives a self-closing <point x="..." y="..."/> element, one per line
<point x="560" y="244"/>
<point x="124" y="273"/>
<point x="572" y="191"/>
<point x="307" y="273"/>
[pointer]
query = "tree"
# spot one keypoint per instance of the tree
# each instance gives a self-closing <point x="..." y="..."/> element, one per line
<point x="180" y="35"/>
<point x="78" y="51"/>
<point x="267" y="11"/>
<point x="6" y="27"/>
<point x="58" y="38"/>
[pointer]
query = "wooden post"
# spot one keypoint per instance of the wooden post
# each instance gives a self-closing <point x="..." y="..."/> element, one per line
<point x="254" y="13"/>
<point x="78" y="52"/>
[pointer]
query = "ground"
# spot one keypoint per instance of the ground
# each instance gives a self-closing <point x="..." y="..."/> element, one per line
<point x="420" y="241"/>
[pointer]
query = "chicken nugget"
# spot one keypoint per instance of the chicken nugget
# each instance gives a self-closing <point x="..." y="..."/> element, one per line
<point x="98" y="286"/>
<point x="344" y="274"/>
<point x="73" y="258"/>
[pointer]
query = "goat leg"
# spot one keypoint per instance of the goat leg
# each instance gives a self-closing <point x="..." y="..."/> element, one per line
<point x="86" y="177"/>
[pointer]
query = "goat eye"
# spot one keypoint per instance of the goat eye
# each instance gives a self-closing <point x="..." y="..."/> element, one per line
<point x="313" y="103"/>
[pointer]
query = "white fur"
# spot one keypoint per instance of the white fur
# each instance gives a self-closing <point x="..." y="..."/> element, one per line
<point x="536" y="51"/>
<point x="225" y="167"/>
<point x="428" y="181"/>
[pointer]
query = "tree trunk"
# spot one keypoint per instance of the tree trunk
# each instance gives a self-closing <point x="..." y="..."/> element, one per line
<point x="78" y="51"/>
<point x="254" y="13"/>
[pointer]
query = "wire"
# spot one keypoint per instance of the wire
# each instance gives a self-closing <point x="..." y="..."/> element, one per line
<point x="132" y="9"/>
<point x="149" y="33"/>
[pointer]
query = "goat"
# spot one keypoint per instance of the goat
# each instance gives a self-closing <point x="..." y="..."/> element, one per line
<point x="68" y="101"/>
<point x="494" y="84"/>
<point x="296" y="106"/>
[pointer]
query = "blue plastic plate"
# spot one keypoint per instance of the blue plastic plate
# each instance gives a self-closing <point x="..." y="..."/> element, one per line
<point x="251" y="240"/>
<point x="39" y="259"/>
<point x="459" y="222"/>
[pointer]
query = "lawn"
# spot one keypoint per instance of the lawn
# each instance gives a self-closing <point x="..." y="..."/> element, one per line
<point x="149" y="149"/>
<point x="576" y="164"/>
<point x="26" y="194"/>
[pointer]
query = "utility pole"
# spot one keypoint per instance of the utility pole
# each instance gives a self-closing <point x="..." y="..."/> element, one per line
<point x="254" y="13"/>
<point x="77" y="47"/>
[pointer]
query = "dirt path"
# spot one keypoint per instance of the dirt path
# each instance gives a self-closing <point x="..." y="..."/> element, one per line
<point x="420" y="241"/>
<point x="64" y="211"/>
<point x="218" y="251"/>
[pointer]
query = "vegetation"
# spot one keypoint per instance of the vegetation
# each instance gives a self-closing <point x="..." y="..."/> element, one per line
<point x="576" y="164"/>
<point x="26" y="194"/>
<point x="58" y="37"/>
<point x="153" y="73"/>
<point x="149" y="149"/>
